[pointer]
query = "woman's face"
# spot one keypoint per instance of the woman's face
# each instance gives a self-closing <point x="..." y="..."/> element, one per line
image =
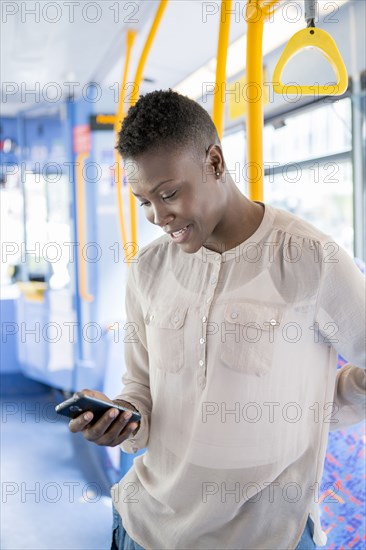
<point x="177" y="191"/>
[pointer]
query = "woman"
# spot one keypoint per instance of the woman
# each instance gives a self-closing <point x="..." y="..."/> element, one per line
<point x="239" y="311"/>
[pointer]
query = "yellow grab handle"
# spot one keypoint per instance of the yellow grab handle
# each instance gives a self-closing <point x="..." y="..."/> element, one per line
<point x="320" y="39"/>
<point x="80" y="219"/>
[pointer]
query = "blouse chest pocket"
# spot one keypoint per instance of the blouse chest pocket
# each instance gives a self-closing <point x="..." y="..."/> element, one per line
<point x="249" y="334"/>
<point x="165" y="337"/>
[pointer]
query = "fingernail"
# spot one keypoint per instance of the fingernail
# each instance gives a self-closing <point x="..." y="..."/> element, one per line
<point x="127" y="415"/>
<point x="88" y="416"/>
<point x="113" y="413"/>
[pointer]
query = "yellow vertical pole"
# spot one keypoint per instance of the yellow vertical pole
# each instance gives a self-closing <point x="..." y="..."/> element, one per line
<point x="222" y="48"/>
<point x="81" y="225"/>
<point x="254" y="73"/>
<point x="130" y="38"/>
<point x="257" y="12"/>
<point x="137" y="81"/>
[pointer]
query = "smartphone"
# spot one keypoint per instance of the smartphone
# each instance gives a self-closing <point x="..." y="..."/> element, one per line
<point x="81" y="402"/>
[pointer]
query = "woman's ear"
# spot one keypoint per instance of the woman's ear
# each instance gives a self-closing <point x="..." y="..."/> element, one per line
<point x="215" y="158"/>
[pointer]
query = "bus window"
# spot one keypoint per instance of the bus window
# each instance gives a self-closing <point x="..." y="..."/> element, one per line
<point x="308" y="168"/>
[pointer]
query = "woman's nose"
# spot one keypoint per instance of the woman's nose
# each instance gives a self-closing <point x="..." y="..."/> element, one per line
<point x="161" y="216"/>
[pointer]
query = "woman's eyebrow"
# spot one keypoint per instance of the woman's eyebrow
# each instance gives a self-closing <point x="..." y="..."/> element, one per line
<point x="155" y="188"/>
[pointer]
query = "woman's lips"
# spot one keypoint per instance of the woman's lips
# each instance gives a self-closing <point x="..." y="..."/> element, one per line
<point x="181" y="235"/>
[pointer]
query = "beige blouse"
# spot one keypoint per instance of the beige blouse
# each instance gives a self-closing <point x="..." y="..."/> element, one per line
<point x="231" y="360"/>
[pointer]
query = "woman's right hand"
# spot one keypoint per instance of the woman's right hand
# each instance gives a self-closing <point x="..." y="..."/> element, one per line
<point x="111" y="429"/>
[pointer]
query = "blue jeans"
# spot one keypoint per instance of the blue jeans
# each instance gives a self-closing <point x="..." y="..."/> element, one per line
<point x="306" y="542"/>
<point x="122" y="541"/>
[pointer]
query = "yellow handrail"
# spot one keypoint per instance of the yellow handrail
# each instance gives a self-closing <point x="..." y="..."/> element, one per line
<point x="268" y="7"/>
<point x="222" y="49"/>
<point x="256" y="13"/>
<point x="255" y="108"/>
<point x="81" y="219"/>
<point x="137" y="81"/>
<point x="321" y="40"/>
<point x="130" y="38"/>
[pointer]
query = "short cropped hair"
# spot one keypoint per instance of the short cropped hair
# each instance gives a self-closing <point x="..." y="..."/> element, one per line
<point x="165" y="119"/>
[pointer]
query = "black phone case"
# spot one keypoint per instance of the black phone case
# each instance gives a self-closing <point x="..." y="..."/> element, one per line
<point x="74" y="407"/>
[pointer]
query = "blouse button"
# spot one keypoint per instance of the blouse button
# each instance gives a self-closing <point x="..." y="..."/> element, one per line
<point x="234" y="315"/>
<point x="201" y="363"/>
<point x="151" y="317"/>
<point x="204" y="319"/>
<point x="176" y="319"/>
<point x="273" y="322"/>
<point x="202" y="340"/>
